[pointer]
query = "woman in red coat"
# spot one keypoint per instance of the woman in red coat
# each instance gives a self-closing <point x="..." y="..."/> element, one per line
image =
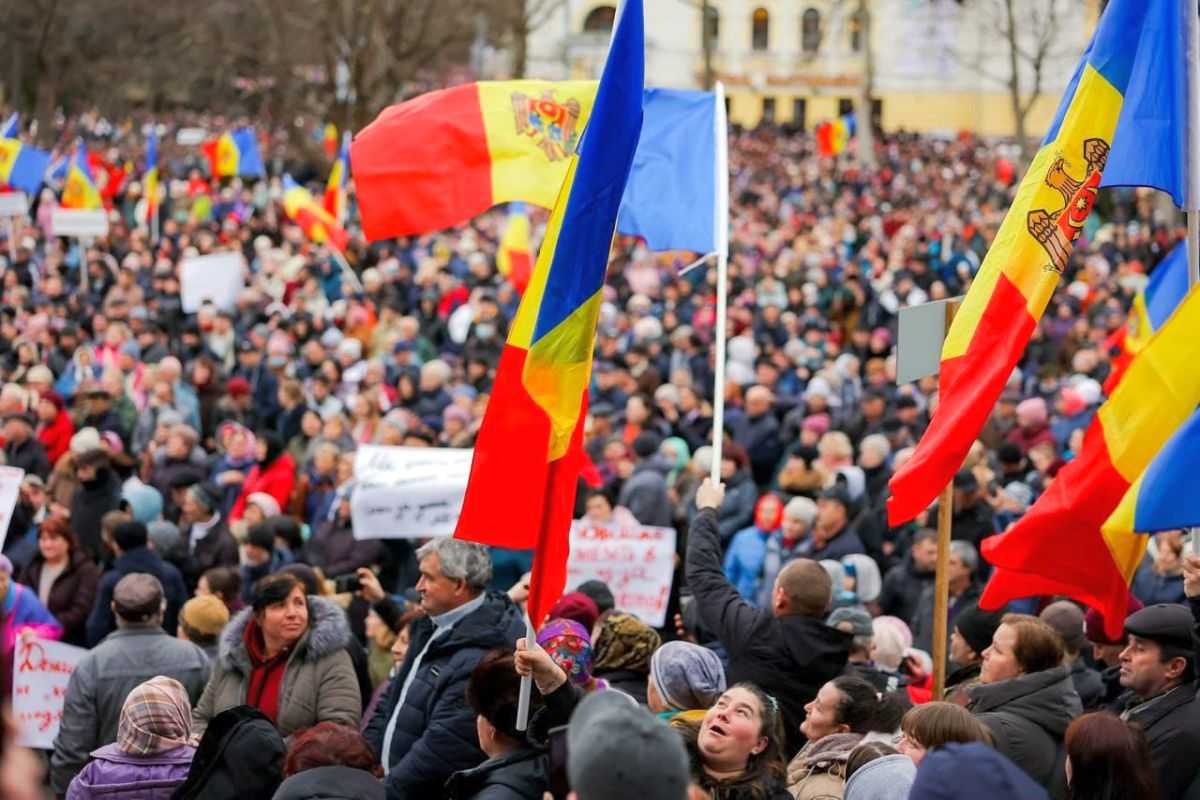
<point x="54" y="429"/>
<point x="274" y="474"/>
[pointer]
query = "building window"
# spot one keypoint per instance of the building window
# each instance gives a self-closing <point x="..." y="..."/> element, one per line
<point x="760" y="29"/>
<point x="856" y="30"/>
<point x="600" y="20"/>
<point x="768" y="115"/>
<point x="712" y="25"/>
<point x="845" y="106"/>
<point x="800" y="113"/>
<point x="810" y="31"/>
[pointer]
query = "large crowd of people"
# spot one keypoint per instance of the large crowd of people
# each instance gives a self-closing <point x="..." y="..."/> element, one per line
<point x="185" y="510"/>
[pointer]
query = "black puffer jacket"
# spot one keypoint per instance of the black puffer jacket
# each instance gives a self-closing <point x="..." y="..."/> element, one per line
<point x="519" y="774"/>
<point x="1028" y="717"/>
<point x="435" y="732"/>
<point x="240" y="757"/>
<point x="331" y="783"/>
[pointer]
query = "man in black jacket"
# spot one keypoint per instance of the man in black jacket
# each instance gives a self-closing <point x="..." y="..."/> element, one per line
<point x="422" y="728"/>
<point x="206" y="532"/>
<point x="1158" y="665"/>
<point x="129" y="542"/>
<point x="786" y="649"/>
<point x="21" y="448"/>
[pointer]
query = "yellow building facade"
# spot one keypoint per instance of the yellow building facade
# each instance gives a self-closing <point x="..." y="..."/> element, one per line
<point x="939" y="66"/>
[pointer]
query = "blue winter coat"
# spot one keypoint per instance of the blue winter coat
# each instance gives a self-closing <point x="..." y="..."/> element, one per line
<point x="744" y="561"/>
<point x="435" y="733"/>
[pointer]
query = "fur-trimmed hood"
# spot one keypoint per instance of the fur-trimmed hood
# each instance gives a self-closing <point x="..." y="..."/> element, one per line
<point x="327" y="633"/>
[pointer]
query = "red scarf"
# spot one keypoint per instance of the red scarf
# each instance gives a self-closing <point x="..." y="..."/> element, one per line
<point x="266" y="677"/>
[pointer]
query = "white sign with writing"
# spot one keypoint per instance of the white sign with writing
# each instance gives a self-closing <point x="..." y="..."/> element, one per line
<point x="636" y="563"/>
<point x="217" y="279"/>
<point x="190" y="137"/>
<point x="41" y="671"/>
<point x="408" y="492"/>
<point x="14" y="204"/>
<point x="10" y="491"/>
<point x="81" y="222"/>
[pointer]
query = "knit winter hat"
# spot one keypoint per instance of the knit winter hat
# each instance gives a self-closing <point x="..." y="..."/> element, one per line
<point x="205" y="615"/>
<point x="579" y="607"/>
<point x="687" y="676"/>
<point x="1034" y="409"/>
<point x="977" y="627"/>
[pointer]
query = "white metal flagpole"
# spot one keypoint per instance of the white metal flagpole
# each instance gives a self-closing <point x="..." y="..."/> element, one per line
<point x="1192" y="195"/>
<point x="721" y="225"/>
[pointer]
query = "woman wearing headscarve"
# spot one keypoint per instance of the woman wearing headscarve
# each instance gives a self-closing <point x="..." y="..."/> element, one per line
<point x="570" y="647"/>
<point x="622" y="650"/>
<point x="274" y="474"/>
<point x="685" y="680"/>
<point x="151" y="756"/>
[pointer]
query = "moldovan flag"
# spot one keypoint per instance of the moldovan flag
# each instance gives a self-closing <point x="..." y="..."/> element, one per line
<point x="446" y="156"/>
<point x="1152" y="306"/>
<point x="21" y="166"/>
<point x="832" y="137"/>
<point x="151" y="179"/>
<point x="234" y="153"/>
<point x="335" y="188"/>
<point x="514" y="258"/>
<point x="1071" y="542"/>
<point x="80" y="189"/>
<point x="303" y="209"/>
<point x="521" y="491"/>
<point x="1134" y="71"/>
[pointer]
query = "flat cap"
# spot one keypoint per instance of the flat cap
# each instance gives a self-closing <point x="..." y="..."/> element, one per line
<point x="1165" y="623"/>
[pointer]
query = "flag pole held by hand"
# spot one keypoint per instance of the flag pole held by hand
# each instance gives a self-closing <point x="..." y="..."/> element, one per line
<point x="526" y="680"/>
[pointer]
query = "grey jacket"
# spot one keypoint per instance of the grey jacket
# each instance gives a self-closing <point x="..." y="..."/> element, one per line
<point x="104" y="678"/>
<point x="319" y="683"/>
<point x="1028" y="716"/>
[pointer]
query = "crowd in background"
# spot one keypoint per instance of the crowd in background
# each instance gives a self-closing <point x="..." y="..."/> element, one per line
<point x="191" y="475"/>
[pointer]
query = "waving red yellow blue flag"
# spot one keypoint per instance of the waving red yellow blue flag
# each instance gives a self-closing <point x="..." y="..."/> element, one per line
<point x="305" y="211"/>
<point x="335" y="188"/>
<point x="533" y="427"/>
<point x="80" y="189"/>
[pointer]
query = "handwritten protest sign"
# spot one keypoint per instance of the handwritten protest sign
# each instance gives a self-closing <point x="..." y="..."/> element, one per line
<point x="408" y="492"/>
<point x="215" y="278"/>
<point x="41" y="671"/>
<point x="636" y="563"/>
<point x="10" y="491"/>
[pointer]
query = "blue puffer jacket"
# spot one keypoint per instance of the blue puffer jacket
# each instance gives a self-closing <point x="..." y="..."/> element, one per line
<point x="744" y="561"/>
<point x="435" y="732"/>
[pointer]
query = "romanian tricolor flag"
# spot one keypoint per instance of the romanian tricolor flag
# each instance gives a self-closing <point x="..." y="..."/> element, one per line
<point x="335" y="187"/>
<point x="1071" y="542"/>
<point x="234" y="153"/>
<point x="317" y="224"/>
<point x="444" y="157"/>
<point x="514" y="258"/>
<point x="21" y="166"/>
<point x="1031" y="249"/>
<point x="832" y="137"/>
<point x="528" y="456"/>
<point x="80" y="189"/>
<point x="151" y="179"/>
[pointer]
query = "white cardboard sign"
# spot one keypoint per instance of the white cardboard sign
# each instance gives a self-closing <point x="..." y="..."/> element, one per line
<point x="638" y="565"/>
<point x="41" y="671"/>
<point x="14" y="204"/>
<point x="217" y="278"/>
<point x="81" y="222"/>
<point x="408" y="492"/>
<point x="10" y="491"/>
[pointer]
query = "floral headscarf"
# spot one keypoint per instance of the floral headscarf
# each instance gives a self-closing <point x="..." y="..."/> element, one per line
<point x="570" y="647"/>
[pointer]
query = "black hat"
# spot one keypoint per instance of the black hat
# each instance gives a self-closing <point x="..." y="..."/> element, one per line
<point x="965" y="480"/>
<point x="129" y="535"/>
<point x="601" y="595"/>
<point x="206" y="495"/>
<point x="1165" y="623"/>
<point x="839" y="494"/>
<point x="21" y="416"/>
<point x="906" y="401"/>
<point x="261" y="536"/>
<point x="646" y="444"/>
<point x="602" y="409"/>
<point x="977" y="627"/>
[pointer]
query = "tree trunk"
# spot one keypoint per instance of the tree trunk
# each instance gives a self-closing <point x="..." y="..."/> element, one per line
<point x="1014" y="82"/>
<point x="866" y="115"/>
<point x="706" y="46"/>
